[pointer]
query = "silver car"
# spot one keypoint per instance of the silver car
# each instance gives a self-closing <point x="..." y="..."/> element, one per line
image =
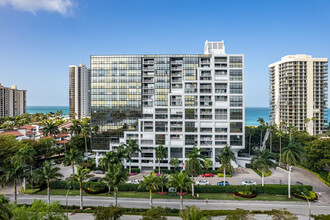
<point x="249" y="182"/>
<point x="133" y="182"/>
<point x="203" y="182"/>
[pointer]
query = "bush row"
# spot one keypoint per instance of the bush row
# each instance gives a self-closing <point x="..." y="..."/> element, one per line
<point x="268" y="189"/>
<point x="221" y="175"/>
<point x="135" y="170"/>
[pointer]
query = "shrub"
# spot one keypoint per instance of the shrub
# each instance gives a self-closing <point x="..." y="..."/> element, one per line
<point x="96" y="188"/>
<point x="30" y="191"/>
<point x="246" y="194"/>
<point x="311" y="196"/>
<point x="135" y="170"/>
<point x="221" y="175"/>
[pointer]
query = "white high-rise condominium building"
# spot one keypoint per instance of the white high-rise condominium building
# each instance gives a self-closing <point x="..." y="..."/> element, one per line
<point x="174" y="100"/>
<point x="12" y="101"/>
<point x="79" y="91"/>
<point x="298" y="92"/>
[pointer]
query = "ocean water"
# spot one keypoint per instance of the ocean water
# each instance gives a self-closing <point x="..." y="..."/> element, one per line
<point x="251" y="114"/>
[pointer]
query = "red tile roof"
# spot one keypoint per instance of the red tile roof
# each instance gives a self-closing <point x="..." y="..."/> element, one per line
<point x="13" y="132"/>
<point x="62" y="135"/>
<point x="27" y="127"/>
<point x="62" y="142"/>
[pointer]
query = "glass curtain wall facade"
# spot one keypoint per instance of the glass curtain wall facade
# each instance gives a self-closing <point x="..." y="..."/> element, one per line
<point x="174" y="100"/>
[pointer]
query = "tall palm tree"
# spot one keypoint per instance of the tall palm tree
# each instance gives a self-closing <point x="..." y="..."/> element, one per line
<point x="160" y="153"/>
<point x="262" y="124"/>
<point x="50" y="129"/>
<point x="14" y="173"/>
<point x="150" y="183"/>
<point x="249" y="132"/>
<point x="82" y="174"/>
<point x="194" y="165"/>
<point x="175" y="163"/>
<point x="292" y="153"/>
<point x="291" y="128"/>
<point x="272" y="128"/>
<point x="226" y="156"/>
<point x="263" y="161"/>
<point x="163" y="181"/>
<point x="192" y="213"/>
<point x="75" y="128"/>
<point x="306" y="121"/>
<point x="280" y="134"/>
<point x="313" y="119"/>
<point x="85" y="131"/>
<point x="48" y="173"/>
<point x="113" y="157"/>
<point x="180" y="181"/>
<point x="26" y="156"/>
<point x="116" y="175"/>
<point x="131" y="148"/>
<point x="72" y="157"/>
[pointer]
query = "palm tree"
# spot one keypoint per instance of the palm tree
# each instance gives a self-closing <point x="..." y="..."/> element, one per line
<point x="150" y="183"/>
<point x="193" y="165"/>
<point x="113" y="157"/>
<point x="48" y="173"/>
<point x="162" y="181"/>
<point x="85" y="131"/>
<point x="175" y="163"/>
<point x="306" y="121"/>
<point x="82" y="174"/>
<point x="280" y="134"/>
<point x="291" y="128"/>
<point x="116" y="175"/>
<point x="14" y="173"/>
<point x="263" y="162"/>
<point x="64" y="130"/>
<point x="75" y="128"/>
<point x="50" y="129"/>
<point x="249" y="132"/>
<point x="180" y="181"/>
<point x="192" y="213"/>
<point x="5" y="210"/>
<point x="131" y="148"/>
<point x="226" y="156"/>
<point x="292" y="153"/>
<point x="262" y="124"/>
<point x="272" y="128"/>
<point x="313" y="119"/>
<point x="160" y="153"/>
<point x="26" y="156"/>
<point x="72" y="157"/>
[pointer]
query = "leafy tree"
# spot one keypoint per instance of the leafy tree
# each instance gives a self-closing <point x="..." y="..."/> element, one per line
<point x="75" y="128"/>
<point x="151" y="183"/>
<point x="78" y="141"/>
<point x="131" y="148"/>
<point x="262" y="124"/>
<point x="180" y="181"/>
<point x="116" y="175"/>
<point x="292" y="153"/>
<point x="72" y="157"/>
<point x="39" y="210"/>
<point x="5" y="211"/>
<point x="108" y="213"/>
<point x="282" y="214"/>
<point x="193" y="165"/>
<point x="192" y="213"/>
<point x="317" y="154"/>
<point x="226" y="156"/>
<point x="46" y="147"/>
<point x="238" y="214"/>
<point x="25" y="156"/>
<point x="263" y="161"/>
<point x="14" y="173"/>
<point x="8" y="148"/>
<point x="154" y="214"/>
<point x="175" y="163"/>
<point x="48" y="173"/>
<point x="50" y="129"/>
<point x="160" y="153"/>
<point x="82" y="175"/>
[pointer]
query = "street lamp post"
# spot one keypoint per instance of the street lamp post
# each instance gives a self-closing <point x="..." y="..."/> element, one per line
<point x="66" y="202"/>
<point x="309" y="206"/>
<point x="289" y="182"/>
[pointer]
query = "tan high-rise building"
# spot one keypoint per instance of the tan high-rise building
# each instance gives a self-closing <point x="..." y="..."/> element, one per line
<point x="12" y="101"/>
<point x="298" y="92"/>
<point x="79" y="91"/>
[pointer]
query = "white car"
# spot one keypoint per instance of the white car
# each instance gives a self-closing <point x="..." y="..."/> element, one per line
<point x="133" y="182"/>
<point x="203" y="182"/>
<point x="249" y="182"/>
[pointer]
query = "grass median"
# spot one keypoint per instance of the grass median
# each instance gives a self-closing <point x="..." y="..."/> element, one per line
<point x="202" y="196"/>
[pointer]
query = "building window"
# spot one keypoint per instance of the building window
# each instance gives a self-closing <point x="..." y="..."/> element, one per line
<point x="235" y="62"/>
<point x="236" y="127"/>
<point x="236" y="114"/>
<point x="236" y="88"/>
<point x="236" y="140"/>
<point x="236" y="75"/>
<point x="190" y="100"/>
<point x="236" y="101"/>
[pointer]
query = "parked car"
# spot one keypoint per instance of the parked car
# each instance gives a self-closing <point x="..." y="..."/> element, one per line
<point x="133" y="181"/>
<point x="94" y="179"/>
<point x="249" y="182"/>
<point x="299" y="183"/>
<point x="203" y="182"/>
<point x="207" y="175"/>
<point x="221" y="183"/>
<point x="99" y="172"/>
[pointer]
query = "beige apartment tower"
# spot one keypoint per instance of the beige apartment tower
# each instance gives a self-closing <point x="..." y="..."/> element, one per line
<point x="12" y="101"/>
<point x="79" y="91"/>
<point x="298" y="92"/>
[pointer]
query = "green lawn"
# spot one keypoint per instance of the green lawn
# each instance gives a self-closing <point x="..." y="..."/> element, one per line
<point x="202" y="196"/>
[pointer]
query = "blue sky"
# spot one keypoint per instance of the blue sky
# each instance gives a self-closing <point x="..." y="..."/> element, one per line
<point x="39" y="40"/>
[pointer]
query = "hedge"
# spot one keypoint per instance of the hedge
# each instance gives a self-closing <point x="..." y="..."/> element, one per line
<point x="221" y="175"/>
<point x="135" y="170"/>
<point x="268" y="188"/>
<point x="165" y="171"/>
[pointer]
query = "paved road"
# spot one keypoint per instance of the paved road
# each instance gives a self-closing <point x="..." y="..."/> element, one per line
<point x="294" y="207"/>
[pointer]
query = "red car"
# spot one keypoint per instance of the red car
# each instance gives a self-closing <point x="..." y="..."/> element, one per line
<point x="207" y="175"/>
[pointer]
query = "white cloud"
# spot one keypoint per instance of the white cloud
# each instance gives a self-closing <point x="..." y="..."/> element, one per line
<point x="61" y="6"/>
